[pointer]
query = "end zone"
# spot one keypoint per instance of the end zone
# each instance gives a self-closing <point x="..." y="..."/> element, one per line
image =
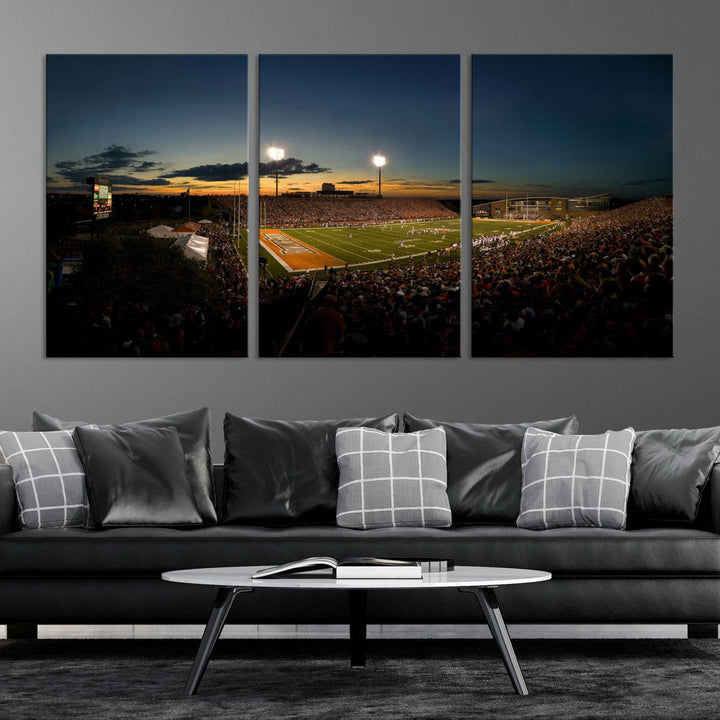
<point x="295" y="255"/>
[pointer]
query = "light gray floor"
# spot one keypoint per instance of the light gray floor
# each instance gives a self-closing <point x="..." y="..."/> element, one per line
<point x="374" y="631"/>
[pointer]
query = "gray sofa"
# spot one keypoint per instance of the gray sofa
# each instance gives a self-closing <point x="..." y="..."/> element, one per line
<point x="667" y="573"/>
<point x="66" y="576"/>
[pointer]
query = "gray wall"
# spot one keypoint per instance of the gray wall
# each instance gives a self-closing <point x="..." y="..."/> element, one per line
<point x="603" y="393"/>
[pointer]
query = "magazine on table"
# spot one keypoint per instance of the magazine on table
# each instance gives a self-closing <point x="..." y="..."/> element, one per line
<point x="350" y="568"/>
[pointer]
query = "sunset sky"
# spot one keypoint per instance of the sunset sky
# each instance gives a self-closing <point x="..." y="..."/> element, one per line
<point x="571" y="125"/>
<point x="159" y="123"/>
<point x="152" y="123"/>
<point x="563" y="125"/>
<point x="332" y="113"/>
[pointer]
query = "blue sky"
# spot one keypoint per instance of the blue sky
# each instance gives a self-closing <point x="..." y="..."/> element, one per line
<point x="572" y="125"/>
<point x="334" y="112"/>
<point x="153" y="123"/>
<point x="542" y="124"/>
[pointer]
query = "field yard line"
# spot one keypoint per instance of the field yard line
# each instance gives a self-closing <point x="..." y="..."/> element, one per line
<point x="391" y="243"/>
<point x="332" y="245"/>
<point x="399" y="257"/>
<point x="275" y="256"/>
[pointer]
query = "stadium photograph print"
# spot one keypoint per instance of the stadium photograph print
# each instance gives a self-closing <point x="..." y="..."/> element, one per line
<point x="146" y="206"/>
<point x="572" y="240"/>
<point x="359" y="205"/>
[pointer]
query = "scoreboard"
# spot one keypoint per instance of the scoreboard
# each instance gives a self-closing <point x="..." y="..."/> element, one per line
<point x="101" y="197"/>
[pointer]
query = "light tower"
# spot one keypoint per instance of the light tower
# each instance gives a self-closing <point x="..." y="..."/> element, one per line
<point x="379" y="162"/>
<point x="276" y="154"/>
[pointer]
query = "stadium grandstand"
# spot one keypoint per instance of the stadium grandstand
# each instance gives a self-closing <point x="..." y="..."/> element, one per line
<point x="599" y="287"/>
<point x="542" y="208"/>
<point x="333" y="210"/>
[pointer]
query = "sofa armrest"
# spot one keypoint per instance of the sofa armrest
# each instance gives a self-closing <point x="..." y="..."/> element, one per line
<point x="715" y="496"/>
<point x="7" y="500"/>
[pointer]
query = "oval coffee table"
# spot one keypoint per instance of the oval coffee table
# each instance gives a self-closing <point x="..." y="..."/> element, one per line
<point x="479" y="581"/>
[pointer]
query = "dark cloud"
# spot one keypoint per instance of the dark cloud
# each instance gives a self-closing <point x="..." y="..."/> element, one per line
<point x="147" y="165"/>
<point x="67" y="164"/>
<point x="110" y="161"/>
<point x="355" y="182"/>
<point x="219" y="172"/>
<point x="116" y="157"/>
<point x="642" y="182"/>
<point x="291" y="166"/>
<point x="133" y="181"/>
<point x="424" y="184"/>
<point x="474" y="182"/>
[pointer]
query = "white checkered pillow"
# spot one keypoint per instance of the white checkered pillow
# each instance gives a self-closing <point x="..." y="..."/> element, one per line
<point x="392" y="479"/>
<point x="575" y="480"/>
<point x="49" y="478"/>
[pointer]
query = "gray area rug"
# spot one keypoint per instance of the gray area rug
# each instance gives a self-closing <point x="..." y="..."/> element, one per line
<point x="138" y="679"/>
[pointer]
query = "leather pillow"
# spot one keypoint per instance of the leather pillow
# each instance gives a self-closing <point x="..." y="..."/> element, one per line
<point x="285" y="472"/>
<point x="483" y="466"/>
<point x="669" y="472"/>
<point x="136" y="476"/>
<point x="193" y="429"/>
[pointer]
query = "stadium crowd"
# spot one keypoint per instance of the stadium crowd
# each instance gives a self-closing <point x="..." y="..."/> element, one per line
<point x="216" y="327"/>
<point x="331" y="211"/>
<point x="396" y="311"/>
<point x="600" y="287"/>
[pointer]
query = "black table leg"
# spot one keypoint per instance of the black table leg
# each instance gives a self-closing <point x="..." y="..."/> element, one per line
<point x="357" y="601"/>
<point x="221" y="608"/>
<point x="488" y="602"/>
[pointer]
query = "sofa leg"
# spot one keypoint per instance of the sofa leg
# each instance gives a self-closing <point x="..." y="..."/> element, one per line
<point x="22" y="631"/>
<point x="702" y="630"/>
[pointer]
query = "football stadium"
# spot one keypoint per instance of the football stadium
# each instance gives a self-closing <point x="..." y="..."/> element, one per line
<point x="597" y="286"/>
<point x="597" y="283"/>
<point x="365" y="275"/>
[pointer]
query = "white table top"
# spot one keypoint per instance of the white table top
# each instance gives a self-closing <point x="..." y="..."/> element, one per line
<point x="461" y="576"/>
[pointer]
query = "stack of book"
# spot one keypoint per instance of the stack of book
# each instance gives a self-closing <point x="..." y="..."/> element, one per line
<point x="357" y="568"/>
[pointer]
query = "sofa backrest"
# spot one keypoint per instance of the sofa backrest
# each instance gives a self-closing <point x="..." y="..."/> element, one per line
<point x="713" y="487"/>
<point x="219" y="479"/>
<point x="9" y="511"/>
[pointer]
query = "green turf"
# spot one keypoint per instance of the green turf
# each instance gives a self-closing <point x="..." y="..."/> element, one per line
<point x="375" y="245"/>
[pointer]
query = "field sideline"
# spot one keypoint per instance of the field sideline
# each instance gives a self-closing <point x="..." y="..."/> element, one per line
<point x="375" y="245"/>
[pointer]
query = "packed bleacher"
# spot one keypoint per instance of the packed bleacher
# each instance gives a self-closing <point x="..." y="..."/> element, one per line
<point x="304" y="211"/>
<point x="396" y="311"/>
<point x="216" y="326"/>
<point x="600" y="287"/>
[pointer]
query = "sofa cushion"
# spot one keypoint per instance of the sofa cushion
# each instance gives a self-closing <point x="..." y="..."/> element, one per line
<point x="49" y="478"/>
<point x="564" y="551"/>
<point x="483" y="463"/>
<point x="281" y="472"/>
<point x="392" y="479"/>
<point x="669" y="472"/>
<point x="575" y="480"/>
<point x="136" y="476"/>
<point x="193" y="428"/>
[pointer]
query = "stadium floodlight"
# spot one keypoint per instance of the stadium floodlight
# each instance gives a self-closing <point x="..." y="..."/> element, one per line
<point x="379" y="162"/>
<point x="276" y="154"/>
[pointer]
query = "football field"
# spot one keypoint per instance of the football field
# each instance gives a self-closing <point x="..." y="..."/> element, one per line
<point x="289" y="250"/>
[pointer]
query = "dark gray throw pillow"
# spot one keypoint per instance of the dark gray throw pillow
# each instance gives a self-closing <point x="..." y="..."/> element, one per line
<point x="193" y="429"/>
<point x="284" y="472"/>
<point x="669" y="471"/>
<point x="136" y="476"/>
<point x="483" y="466"/>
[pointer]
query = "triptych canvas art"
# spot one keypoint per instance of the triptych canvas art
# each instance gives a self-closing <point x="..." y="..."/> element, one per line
<point x="359" y="242"/>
